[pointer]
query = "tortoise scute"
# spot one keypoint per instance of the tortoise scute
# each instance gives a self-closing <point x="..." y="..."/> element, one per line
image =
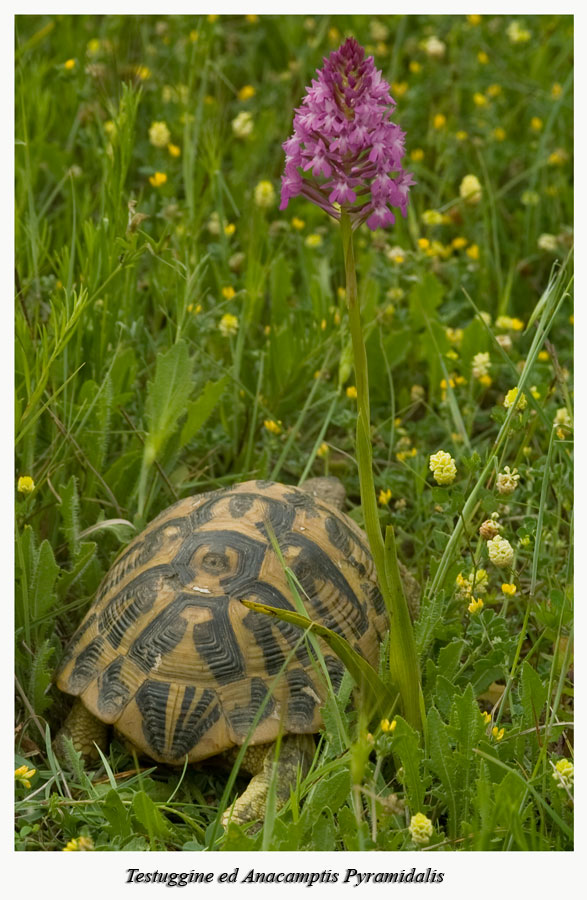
<point x="170" y="655"/>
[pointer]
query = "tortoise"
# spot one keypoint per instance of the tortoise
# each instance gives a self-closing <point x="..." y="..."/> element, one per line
<point x="169" y="655"/>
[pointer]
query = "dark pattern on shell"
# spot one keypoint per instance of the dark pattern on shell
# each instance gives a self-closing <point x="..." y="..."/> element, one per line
<point x="345" y="540"/>
<point x="142" y="551"/>
<point x="317" y="559"/>
<point x="113" y="693"/>
<point x="303" y="501"/>
<point x="240" y="504"/>
<point x="335" y="670"/>
<point x="72" y="646"/>
<point x="241" y="719"/>
<point x="250" y="555"/>
<point x="161" y="635"/>
<point x="306" y="573"/>
<point x="302" y="701"/>
<point x="374" y="596"/>
<point x="86" y="665"/>
<point x="126" y="607"/>
<point x="263" y="630"/>
<point x="192" y="726"/>
<point x="151" y="699"/>
<point x="217" y="644"/>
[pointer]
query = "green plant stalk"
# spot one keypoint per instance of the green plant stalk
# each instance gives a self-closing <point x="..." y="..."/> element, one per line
<point x="403" y="657"/>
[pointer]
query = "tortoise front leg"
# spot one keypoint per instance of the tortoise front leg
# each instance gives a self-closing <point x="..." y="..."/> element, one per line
<point x="296" y="753"/>
<point x="84" y="729"/>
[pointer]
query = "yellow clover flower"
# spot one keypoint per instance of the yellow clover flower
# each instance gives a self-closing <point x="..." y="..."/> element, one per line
<point x="159" y="134"/>
<point x="509" y="589"/>
<point x="510" y="399"/>
<point x="351" y="392"/>
<point x="443" y="467"/>
<point x="388" y="727"/>
<point x="564" y="773"/>
<point x="384" y="497"/>
<point x="272" y="426"/>
<point x="157" y="179"/>
<point x="228" y="325"/>
<point x="265" y="195"/>
<point x="470" y="190"/>
<point x="500" y="551"/>
<point x="420" y="828"/>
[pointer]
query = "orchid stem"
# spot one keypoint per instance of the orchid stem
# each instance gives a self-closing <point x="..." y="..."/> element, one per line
<point x="403" y="658"/>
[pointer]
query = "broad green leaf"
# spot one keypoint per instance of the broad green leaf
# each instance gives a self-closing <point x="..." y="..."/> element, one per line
<point x="379" y="697"/>
<point x="117" y="815"/>
<point x="46" y="574"/>
<point x="533" y="694"/>
<point x="330" y="791"/>
<point x="201" y="409"/>
<point x="442" y="762"/>
<point x="406" y="747"/>
<point x="149" y="816"/>
<point x="167" y="397"/>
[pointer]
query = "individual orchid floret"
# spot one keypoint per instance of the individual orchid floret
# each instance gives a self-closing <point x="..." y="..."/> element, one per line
<point x="345" y="153"/>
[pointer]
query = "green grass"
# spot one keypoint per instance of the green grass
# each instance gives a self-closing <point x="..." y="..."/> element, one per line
<point x="129" y="395"/>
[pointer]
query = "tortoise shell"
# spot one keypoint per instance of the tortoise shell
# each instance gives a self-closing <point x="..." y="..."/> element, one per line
<point x="169" y="655"/>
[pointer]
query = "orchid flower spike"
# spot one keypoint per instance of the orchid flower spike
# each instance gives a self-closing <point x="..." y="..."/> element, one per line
<point x="345" y="152"/>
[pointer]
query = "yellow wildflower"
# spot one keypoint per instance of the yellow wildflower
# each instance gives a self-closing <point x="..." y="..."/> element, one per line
<point x="313" y="240"/>
<point x="475" y="606"/>
<point x="212" y="17"/>
<point x="417" y="155"/>
<point x="536" y="123"/>
<point x="483" y="57"/>
<point x="494" y="90"/>
<point x="69" y="64"/>
<point x="562" y="418"/>
<point x="461" y="135"/>
<point x="455" y="335"/>
<point x="415" y="66"/>
<point x="543" y="356"/>
<point x="384" y="497"/>
<point x="174" y="150"/>
<point x="228" y="325"/>
<point x="556" y="90"/>
<point x="510" y="399"/>
<point x="474" y="19"/>
<point x="272" y="426"/>
<point x="323" y="450"/>
<point x="26" y="485"/>
<point x="423" y="243"/>
<point x="157" y="179"/>
<point x="252" y="18"/>
<point x="517" y="34"/>
<point x="499" y="133"/>
<point x="507" y="481"/>
<point x="399" y="88"/>
<point x="497" y="733"/>
<point x="564" y="773"/>
<point x="333" y="35"/>
<point x="480" y="365"/>
<point x="420" y="828"/>
<point x="80" y="843"/>
<point x="443" y="467"/>
<point x="242" y="126"/>
<point x="480" y="99"/>
<point x="228" y="292"/>
<point x="142" y="72"/>
<point x="473" y="251"/>
<point x="265" y="195"/>
<point x="509" y="589"/>
<point x="351" y="392"/>
<point x="486" y="381"/>
<point x="194" y="35"/>
<point x="23" y="775"/>
<point x="486" y="716"/>
<point x="229" y="229"/>
<point x="406" y="454"/>
<point x="439" y="121"/>
<point x="298" y="224"/>
<point x="388" y="727"/>
<point x="159" y="134"/>
<point x="432" y="217"/>
<point x="500" y="551"/>
<point x="246" y="92"/>
<point x="558" y="157"/>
